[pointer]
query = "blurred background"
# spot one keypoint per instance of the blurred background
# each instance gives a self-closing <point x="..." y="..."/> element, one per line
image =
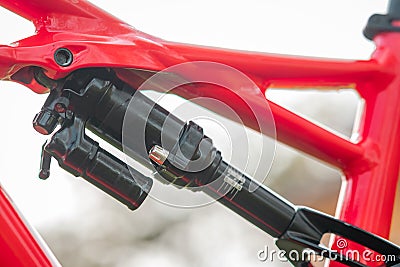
<point x="84" y="227"/>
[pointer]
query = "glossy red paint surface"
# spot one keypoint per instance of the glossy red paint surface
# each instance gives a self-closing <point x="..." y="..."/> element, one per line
<point x="98" y="39"/>
<point x="370" y="193"/>
<point x="18" y="247"/>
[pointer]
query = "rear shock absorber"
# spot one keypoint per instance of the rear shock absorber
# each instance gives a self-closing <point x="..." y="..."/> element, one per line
<point x="96" y="99"/>
<point x="101" y="101"/>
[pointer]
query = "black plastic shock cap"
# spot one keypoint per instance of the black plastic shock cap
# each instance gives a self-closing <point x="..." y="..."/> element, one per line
<point x="45" y="122"/>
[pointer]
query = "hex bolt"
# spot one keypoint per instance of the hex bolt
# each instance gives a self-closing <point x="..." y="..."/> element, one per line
<point x="63" y="57"/>
<point x="60" y="108"/>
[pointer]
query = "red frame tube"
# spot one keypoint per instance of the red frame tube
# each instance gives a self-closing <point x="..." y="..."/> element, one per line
<point x="98" y="39"/>
<point x="18" y="245"/>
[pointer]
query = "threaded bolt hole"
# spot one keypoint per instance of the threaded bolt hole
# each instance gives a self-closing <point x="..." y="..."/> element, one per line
<point x="63" y="57"/>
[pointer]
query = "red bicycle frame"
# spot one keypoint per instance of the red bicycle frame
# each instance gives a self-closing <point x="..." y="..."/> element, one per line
<point x="97" y="39"/>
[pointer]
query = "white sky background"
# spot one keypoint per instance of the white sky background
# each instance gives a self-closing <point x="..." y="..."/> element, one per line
<point x="304" y="27"/>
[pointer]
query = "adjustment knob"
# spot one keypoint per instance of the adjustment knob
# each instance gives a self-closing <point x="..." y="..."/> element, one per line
<point x="45" y="122"/>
